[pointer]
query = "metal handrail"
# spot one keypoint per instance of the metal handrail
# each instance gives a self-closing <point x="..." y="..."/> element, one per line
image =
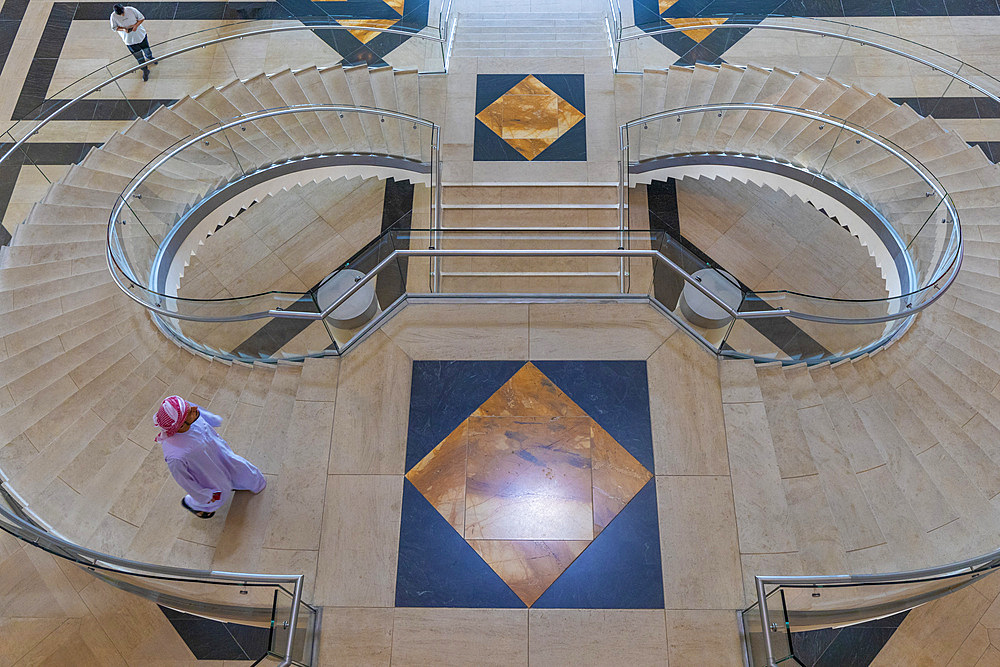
<point x="322" y="26"/>
<point x="153" y="166"/>
<point x="90" y="558"/>
<point x="951" y="270"/>
<point x="662" y="30"/>
<point x="967" y="566"/>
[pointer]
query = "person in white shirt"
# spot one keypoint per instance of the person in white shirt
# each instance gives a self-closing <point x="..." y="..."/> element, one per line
<point x="127" y="21"/>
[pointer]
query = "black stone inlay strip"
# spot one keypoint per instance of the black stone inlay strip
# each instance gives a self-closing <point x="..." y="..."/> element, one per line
<point x="103" y="109"/>
<point x="952" y="107"/>
<point x="33" y="153"/>
<point x="852" y="646"/>
<point x="990" y="148"/>
<point x="213" y="640"/>
<point x="274" y="335"/>
<point x="43" y="64"/>
<point x="667" y="285"/>
<point x="397" y="214"/>
<point x="10" y="21"/>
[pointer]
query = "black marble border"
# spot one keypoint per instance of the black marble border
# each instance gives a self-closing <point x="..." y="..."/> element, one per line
<point x="667" y="285"/>
<point x="214" y="640"/>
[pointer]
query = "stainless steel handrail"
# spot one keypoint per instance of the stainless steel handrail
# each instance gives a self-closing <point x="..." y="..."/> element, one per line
<point x="951" y="270"/>
<point x="826" y="33"/>
<point x="153" y="166"/>
<point x="128" y="567"/>
<point x="322" y="26"/>
<point x="967" y="566"/>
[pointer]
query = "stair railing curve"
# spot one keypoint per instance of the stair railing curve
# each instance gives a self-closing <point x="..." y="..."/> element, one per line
<point x="948" y="272"/>
<point x="733" y="22"/>
<point x="330" y="25"/>
<point x="119" y="571"/>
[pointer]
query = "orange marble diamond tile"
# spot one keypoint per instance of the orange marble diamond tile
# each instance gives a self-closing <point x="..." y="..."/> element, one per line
<point x="365" y="36"/>
<point x="617" y="477"/>
<point x="529" y="393"/>
<point x="667" y="4"/>
<point x="697" y="34"/>
<point x="529" y="479"/>
<point x="440" y="477"/>
<point x="397" y="5"/>
<point x="530" y="117"/>
<point x="529" y="567"/>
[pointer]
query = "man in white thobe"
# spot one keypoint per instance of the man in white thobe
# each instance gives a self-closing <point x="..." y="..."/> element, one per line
<point x="200" y="460"/>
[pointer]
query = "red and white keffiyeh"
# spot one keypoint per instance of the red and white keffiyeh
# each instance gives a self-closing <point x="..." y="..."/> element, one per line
<point x="170" y="417"/>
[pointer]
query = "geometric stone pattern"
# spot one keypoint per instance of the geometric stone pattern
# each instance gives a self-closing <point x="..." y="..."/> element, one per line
<point x="530" y="117"/>
<point x="529" y="480"/>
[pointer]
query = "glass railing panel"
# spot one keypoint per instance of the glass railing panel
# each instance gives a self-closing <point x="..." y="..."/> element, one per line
<point x="778" y="632"/>
<point x="808" y="340"/>
<point x="540" y="262"/>
<point x="301" y="648"/>
<point x="815" y="606"/>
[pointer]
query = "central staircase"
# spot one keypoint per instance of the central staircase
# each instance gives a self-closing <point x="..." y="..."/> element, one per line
<point x="536" y="35"/>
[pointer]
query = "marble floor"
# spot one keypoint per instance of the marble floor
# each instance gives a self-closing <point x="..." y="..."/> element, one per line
<point x="420" y="547"/>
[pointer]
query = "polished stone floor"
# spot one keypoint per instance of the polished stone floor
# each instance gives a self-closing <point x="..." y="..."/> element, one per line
<point x="530" y="481"/>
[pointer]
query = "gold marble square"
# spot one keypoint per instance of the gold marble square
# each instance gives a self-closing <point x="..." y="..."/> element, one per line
<point x="530" y="117"/>
<point x="440" y="476"/>
<point x="529" y="394"/>
<point x="697" y="34"/>
<point x="529" y="480"/>
<point x="359" y="25"/>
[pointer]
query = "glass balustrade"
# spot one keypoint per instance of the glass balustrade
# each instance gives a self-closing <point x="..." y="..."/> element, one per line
<point x="263" y="600"/>
<point x="802" y="604"/>
<point x="878" y="241"/>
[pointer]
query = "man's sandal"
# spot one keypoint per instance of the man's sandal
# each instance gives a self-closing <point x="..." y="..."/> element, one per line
<point x="200" y="515"/>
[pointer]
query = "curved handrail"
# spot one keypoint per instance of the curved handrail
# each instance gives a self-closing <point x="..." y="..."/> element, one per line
<point x="152" y="166"/>
<point x="953" y="266"/>
<point x="95" y="559"/>
<point x="974" y="565"/>
<point x="226" y="38"/>
<point x="662" y="30"/>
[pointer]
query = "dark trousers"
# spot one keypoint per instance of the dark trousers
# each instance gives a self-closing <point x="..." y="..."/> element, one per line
<point x="141" y="50"/>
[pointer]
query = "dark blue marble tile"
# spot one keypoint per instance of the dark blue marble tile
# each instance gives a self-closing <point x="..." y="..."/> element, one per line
<point x="254" y="641"/>
<point x="489" y="147"/>
<point x="987" y="107"/>
<point x="920" y="8"/>
<point x="855" y="647"/>
<point x="620" y="569"/>
<point x="809" y="646"/>
<point x="213" y="640"/>
<point x="200" y="11"/>
<point x="615" y="394"/>
<point x="489" y="87"/>
<point x="867" y="7"/>
<point x="567" y="86"/>
<point x="991" y="149"/>
<point x="700" y="53"/>
<point x="818" y="8"/>
<point x="437" y="568"/>
<point x="570" y="147"/>
<point x="646" y="13"/>
<point x="687" y="8"/>
<point x="443" y="394"/>
<point x="972" y="7"/>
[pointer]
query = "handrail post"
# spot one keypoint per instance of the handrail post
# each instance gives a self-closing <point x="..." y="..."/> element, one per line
<point x="765" y="624"/>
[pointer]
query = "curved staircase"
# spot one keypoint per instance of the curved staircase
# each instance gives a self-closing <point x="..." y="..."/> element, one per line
<point x="886" y="462"/>
<point x="81" y="365"/>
